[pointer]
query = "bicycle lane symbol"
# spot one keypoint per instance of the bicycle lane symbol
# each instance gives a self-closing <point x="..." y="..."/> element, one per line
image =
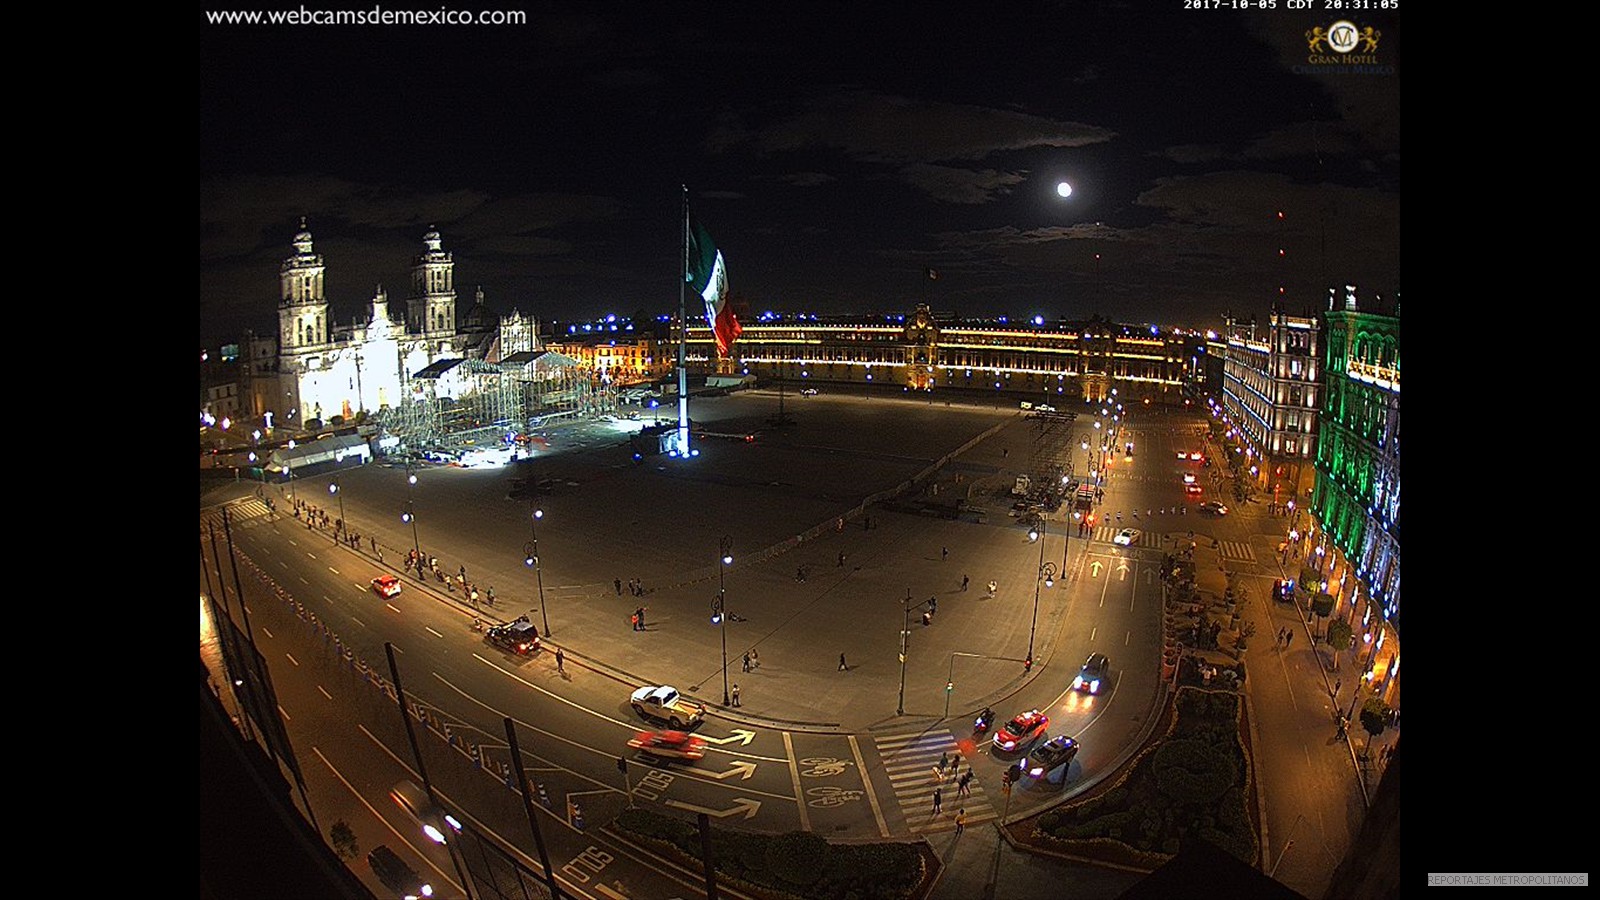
<point x="823" y="766"/>
<point x="831" y="796"/>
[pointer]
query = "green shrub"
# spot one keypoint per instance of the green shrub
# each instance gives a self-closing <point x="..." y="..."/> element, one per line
<point x="797" y="858"/>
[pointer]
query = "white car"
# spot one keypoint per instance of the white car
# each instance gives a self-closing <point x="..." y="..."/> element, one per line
<point x="1214" y="507"/>
<point x="664" y="702"/>
<point x="1126" y="537"/>
<point x="808" y="392"/>
<point x="1188" y="478"/>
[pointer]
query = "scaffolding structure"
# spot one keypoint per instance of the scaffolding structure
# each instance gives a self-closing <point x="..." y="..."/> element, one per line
<point x="491" y="403"/>
<point x="1050" y="456"/>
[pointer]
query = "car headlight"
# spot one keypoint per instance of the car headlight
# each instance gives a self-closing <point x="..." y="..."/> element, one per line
<point x="1035" y="771"/>
<point x="1077" y="682"/>
<point x="1094" y="686"/>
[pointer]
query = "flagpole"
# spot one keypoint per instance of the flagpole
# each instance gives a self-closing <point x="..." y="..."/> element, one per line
<point x="683" y="331"/>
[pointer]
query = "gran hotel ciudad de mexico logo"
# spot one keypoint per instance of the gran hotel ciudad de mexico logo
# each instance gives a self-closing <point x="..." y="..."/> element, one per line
<point x="1343" y="49"/>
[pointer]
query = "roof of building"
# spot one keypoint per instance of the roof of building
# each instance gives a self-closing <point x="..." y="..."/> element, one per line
<point x="439" y="367"/>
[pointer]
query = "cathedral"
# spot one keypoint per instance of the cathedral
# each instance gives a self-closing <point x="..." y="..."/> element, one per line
<point x="325" y="370"/>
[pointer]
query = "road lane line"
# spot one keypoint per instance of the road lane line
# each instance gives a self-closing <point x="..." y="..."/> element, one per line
<point x="609" y="753"/>
<point x="266" y="631"/>
<point x="392" y="607"/>
<point x="292" y="659"/>
<point x="324" y="692"/>
<point x="333" y="570"/>
<point x="794" y="777"/>
<point x="631" y="726"/>
<point x="283" y="713"/>
<point x="379" y="816"/>
<point x="1092" y="633"/>
<point x="432" y="632"/>
<point x="866" y="782"/>
<point x="358" y="621"/>
<point x="1128" y="639"/>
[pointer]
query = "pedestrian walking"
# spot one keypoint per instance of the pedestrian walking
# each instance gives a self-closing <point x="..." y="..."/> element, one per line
<point x="1336" y="685"/>
<point x="561" y="659"/>
<point x="944" y="761"/>
<point x="374" y="545"/>
<point x="491" y="595"/>
<point x="961" y="821"/>
<point x="755" y="659"/>
<point x="944" y="553"/>
<point x="641" y="617"/>
<point x="618" y="583"/>
<point x="927" y="618"/>
<point x="963" y="582"/>
<point x="938" y="801"/>
<point x="747" y="662"/>
<point x="842" y="666"/>
<point x="933" y="604"/>
<point x="841" y="559"/>
<point x="734" y="694"/>
<point x="1340" y="734"/>
<point x="635" y="620"/>
<point x="993" y="585"/>
<point x="474" y="595"/>
<point x="1288" y="637"/>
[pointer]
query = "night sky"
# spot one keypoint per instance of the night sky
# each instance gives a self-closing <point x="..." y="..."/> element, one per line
<point x="834" y="152"/>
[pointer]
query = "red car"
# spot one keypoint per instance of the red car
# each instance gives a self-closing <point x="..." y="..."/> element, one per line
<point x="1192" y="488"/>
<point x="386" y="585"/>
<point x="1021" y="731"/>
<point x="669" y="744"/>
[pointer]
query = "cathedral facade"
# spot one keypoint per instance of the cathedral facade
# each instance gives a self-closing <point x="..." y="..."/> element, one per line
<point x="325" y="370"/>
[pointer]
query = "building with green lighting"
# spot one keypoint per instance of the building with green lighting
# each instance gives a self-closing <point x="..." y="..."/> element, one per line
<point x="1356" y="498"/>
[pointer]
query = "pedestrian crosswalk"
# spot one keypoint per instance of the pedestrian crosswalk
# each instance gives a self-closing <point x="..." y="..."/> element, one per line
<point x="239" y="512"/>
<point x="1238" y="551"/>
<point x="911" y="761"/>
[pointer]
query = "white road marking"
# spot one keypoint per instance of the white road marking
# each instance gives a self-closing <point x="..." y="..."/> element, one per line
<point x="324" y="692"/>
<point x="794" y="778"/>
<point x="266" y="631"/>
<point x="292" y="659"/>
<point x="432" y="632"/>
<point x="866" y="781"/>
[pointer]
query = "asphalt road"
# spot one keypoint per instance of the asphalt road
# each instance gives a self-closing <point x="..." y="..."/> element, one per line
<point x="812" y="747"/>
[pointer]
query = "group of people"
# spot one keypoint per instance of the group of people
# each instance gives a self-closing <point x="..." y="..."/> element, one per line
<point x="635" y="586"/>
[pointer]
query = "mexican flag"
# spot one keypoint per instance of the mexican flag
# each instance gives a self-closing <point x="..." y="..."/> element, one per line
<point x="708" y="276"/>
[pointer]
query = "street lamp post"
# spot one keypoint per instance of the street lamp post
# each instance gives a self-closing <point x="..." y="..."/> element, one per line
<point x="410" y="516"/>
<point x="333" y="488"/>
<point x="1047" y="574"/>
<point x="905" y="636"/>
<point x="531" y="557"/>
<point x="725" y="559"/>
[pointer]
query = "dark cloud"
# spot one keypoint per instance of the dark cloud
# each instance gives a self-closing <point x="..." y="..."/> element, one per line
<point x="807" y="179"/>
<point x="887" y="128"/>
<point x="959" y="185"/>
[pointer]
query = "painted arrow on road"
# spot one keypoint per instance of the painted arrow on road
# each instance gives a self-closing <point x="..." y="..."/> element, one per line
<point x="1096" y="567"/>
<point x="740" y="804"/>
<point x="743" y="765"/>
<point x="739" y="734"/>
<point x="1123" y="571"/>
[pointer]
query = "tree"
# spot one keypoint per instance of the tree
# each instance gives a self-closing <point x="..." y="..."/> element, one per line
<point x="1308" y="578"/>
<point x="1322" y="604"/>
<point x="1340" y="637"/>
<point x="1374" y="719"/>
<point x="344" y="840"/>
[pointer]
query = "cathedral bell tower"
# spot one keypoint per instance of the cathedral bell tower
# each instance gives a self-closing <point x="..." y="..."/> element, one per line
<point x="303" y="307"/>
<point x="431" y="309"/>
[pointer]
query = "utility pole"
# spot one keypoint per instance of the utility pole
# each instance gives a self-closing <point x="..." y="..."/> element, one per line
<point x="905" y="635"/>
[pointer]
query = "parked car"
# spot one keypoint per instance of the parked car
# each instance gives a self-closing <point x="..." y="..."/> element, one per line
<point x="520" y="636"/>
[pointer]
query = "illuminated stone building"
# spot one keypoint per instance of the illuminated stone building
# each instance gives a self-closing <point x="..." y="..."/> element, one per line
<point x="1271" y="391"/>
<point x="616" y="360"/>
<point x="921" y="352"/>
<point x="1356" y="501"/>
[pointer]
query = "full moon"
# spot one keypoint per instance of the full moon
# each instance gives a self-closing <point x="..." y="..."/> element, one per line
<point x="1064" y="189"/>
